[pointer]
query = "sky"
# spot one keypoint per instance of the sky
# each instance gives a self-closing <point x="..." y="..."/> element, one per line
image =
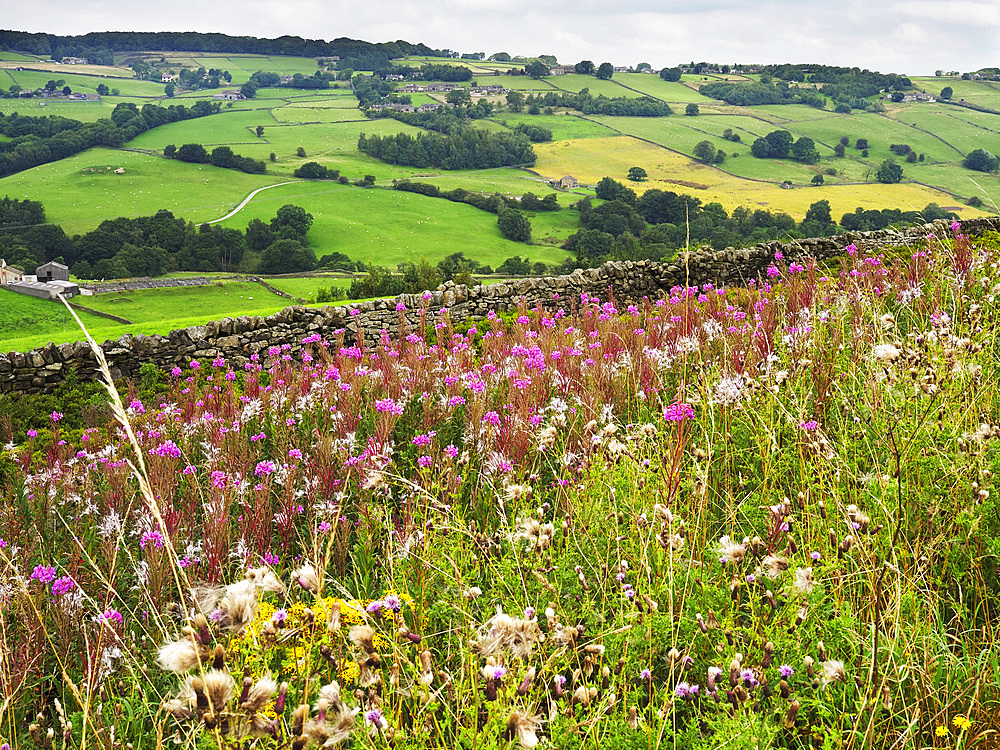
<point x="915" y="37"/>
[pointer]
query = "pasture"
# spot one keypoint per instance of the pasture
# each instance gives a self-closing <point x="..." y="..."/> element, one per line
<point x="80" y="192"/>
<point x="390" y="226"/>
<point x="590" y="159"/>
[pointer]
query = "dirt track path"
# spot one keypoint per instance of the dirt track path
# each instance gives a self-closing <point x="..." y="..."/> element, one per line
<point x="249" y="198"/>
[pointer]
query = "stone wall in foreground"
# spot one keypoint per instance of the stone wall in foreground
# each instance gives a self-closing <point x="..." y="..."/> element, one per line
<point x="237" y="338"/>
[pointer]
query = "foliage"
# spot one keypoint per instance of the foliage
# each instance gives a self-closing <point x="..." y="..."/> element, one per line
<point x="547" y="525"/>
<point x="40" y="140"/>
<point x="889" y="172"/>
<point x="464" y="148"/>
<point x="514" y="225"/>
<point x="981" y="160"/>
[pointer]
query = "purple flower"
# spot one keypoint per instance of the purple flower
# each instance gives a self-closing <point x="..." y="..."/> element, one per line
<point x="62" y="586"/>
<point x="748" y="677"/>
<point x="785" y="671"/>
<point x="683" y="690"/>
<point x="264" y="468"/>
<point x="32" y="433"/>
<point x="112" y="616"/>
<point x="645" y="675"/>
<point x="43" y="573"/>
<point x="375" y="607"/>
<point x="153" y="538"/>
<point x="56" y="416"/>
<point x="393" y="602"/>
<point x="678" y="412"/>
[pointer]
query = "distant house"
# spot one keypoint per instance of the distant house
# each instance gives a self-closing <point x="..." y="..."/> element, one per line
<point x="412" y="88"/>
<point x="52" y="271"/>
<point x="9" y="273"/>
<point x="285" y="79"/>
<point x="561" y="70"/>
<point x="233" y="96"/>
<point x="74" y="61"/>
<point x="166" y="78"/>
<point x="394" y="77"/>
<point x="622" y="69"/>
<point x="567" y="183"/>
<point x="429" y="107"/>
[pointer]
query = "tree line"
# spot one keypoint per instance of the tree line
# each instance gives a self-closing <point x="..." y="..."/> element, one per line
<point x="461" y="148"/>
<point x="588" y="104"/>
<point x="221" y="156"/>
<point x="40" y="140"/>
<point x="653" y="226"/>
<point x="155" y="245"/>
<point x="136" y="41"/>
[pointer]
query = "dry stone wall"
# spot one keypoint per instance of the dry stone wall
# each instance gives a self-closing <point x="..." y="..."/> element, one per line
<point x="236" y="339"/>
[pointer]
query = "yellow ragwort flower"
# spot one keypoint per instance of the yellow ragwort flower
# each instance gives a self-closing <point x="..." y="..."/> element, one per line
<point x="941" y="731"/>
<point x="962" y="722"/>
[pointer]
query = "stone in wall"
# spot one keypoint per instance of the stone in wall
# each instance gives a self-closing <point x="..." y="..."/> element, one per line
<point x="236" y="339"/>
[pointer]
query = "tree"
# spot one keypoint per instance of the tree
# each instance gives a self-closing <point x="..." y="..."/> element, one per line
<point x="981" y="160"/>
<point x="459" y="97"/>
<point x="839" y="149"/>
<point x="861" y="144"/>
<point x="291" y="222"/>
<point x="819" y="211"/>
<point x="889" y="172"/>
<point x="514" y="226"/>
<point x="536" y="69"/>
<point x="637" y="174"/>
<point x="102" y="89"/>
<point x="222" y="156"/>
<point x="259" y="235"/>
<point x="670" y="74"/>
<point x="605" y="71"/>
<point x="260" y="131"/>
<point x="897" y="96"/>
<point x="170" y="151"/>
<point x="515" y="101"/>
<point x="705" y="152"/>
<point x="287" y="256"/>
<point x="804" y="149"/>
<point x="192" y="152"/>
<point x="300" y="151"/>
<point x="248" y="90"/>
<point x="169" y="89"/>
<point x="845" y="141"/>
<point x="946" y="92"/>
<point x="818" y="180"/>
<point x="691" y="110"/>
<point x="584" y="67"/>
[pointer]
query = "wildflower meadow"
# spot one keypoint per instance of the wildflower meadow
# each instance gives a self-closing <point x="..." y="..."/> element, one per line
<point x="745" y="517"/>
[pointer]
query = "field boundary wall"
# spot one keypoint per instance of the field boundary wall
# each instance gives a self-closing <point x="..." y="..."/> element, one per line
<point x="236" y="339"/>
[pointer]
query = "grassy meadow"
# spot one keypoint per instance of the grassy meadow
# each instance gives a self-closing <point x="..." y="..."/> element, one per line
<point x="590" y="526"/>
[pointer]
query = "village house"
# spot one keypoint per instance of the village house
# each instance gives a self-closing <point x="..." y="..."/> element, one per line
<point x="412" y="88"/>
<point x="74" y="61"/>
<point x="622" y="69"/>
<point x="394" y="77"/>
<point x="561" y="70"/>
<point x="232" y="96"/>
<point x="443" y="87"/>
<point x="9" y="273"/>
<point x="568" y="182"/>
<point x="488" y="90"/>
<point x="429" y="107"/>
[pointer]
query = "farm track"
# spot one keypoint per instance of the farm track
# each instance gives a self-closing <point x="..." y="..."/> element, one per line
<point x="249" y="198"/>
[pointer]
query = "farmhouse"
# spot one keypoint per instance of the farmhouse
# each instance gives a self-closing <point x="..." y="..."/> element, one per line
<point x="74" y="61"/>
<point x="9" y="273"/>
<point x="52" y="271"/>
<point x="488" y="90"/>
<point x="561" y="70"/>
<point x="233" y="96"/>
<point x="429" y="107"/>
<point x="567" y="183"/>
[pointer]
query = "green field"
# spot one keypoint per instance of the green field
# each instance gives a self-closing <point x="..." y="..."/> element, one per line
<point x="391" y="226"/>
<point x="21" y="315"/>
<point x="576" y="83"/>
<point x="563" y="127"/>
<point x="79" y="192"/>
<point x="656" y="87"/>
<point x="982" y="93"/>
<point x="223" y="299"/>
<point x="33" y="79"/>
<point x="305" y="287"/>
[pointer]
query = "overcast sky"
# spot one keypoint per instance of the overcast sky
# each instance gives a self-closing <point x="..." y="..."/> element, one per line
<point x="915" y="37"/>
